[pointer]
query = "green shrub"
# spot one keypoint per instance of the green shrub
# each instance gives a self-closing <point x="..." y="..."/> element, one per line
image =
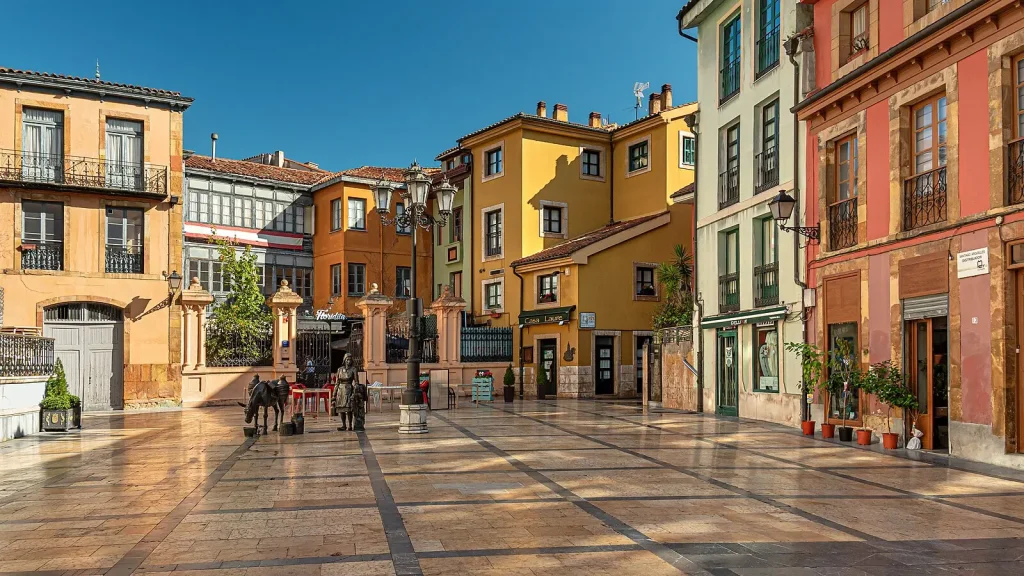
<point x="542" y="379"/>
<point x="56" y="396"/>
<point x="509" y="379"/>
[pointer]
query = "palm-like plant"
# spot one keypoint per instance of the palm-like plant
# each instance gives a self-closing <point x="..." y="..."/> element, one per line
<point x="676" y="276"/>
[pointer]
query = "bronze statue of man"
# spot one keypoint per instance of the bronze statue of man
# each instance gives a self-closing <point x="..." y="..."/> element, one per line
<point x="343" y="393"/>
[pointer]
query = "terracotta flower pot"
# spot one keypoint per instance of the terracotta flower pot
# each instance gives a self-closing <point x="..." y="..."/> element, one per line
<point x="828" y="430"/>
<point x="890" y="441"/>
<point x="808" y="427"/>
<point x="863" y="437"/>
<point x="845" y="433"/>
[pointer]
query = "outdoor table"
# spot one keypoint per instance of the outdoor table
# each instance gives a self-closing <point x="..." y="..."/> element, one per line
<point x="316" y="393"/>
<point x="459" y="387"/>
<point x="391" y="394"/>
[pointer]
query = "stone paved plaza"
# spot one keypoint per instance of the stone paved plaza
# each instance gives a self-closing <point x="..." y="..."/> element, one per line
<point x="544" y="488"/>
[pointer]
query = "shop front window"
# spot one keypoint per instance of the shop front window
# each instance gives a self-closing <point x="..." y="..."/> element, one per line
<point x="842" y="347"/>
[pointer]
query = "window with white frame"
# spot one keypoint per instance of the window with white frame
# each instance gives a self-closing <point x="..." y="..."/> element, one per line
<point x="242" y="213"/>
<point x="356" y="214"/>
<point x="547" y="288"/>
<point x="220" y="209"/>
<point x="199" y="206"/>
<point x="492" y="233"/>
<point x="335" y="279"/>
<point x="687" y="150"/>
<point x="494" y="294"/>
<point x="335" y="214"/>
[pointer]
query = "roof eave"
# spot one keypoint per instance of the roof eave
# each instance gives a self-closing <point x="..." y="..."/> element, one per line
<point x="694" y="12"/>
<point x="245" y="178"/>
<point x="98" y="90"/>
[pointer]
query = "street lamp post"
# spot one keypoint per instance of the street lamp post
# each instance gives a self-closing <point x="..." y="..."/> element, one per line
<point x="416" y="192"/>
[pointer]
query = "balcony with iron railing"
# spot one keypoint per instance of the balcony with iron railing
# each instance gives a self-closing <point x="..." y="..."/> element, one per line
<point x="766" y="284"/>
<point x="768" y="51"/>
<point x="729" y="292"/>
<point x="493" y="245"/>
<point x="122" y="259"/>
<point x="38" y="255"/>
<point x="729" y="187"/>
<point x="729" y="80"/>
<point x="25" y="355"/>
<point x="767" y="163"/>
<point x="924" y="199"/>
<point x="842" y="224"/>
<point x="1015" y="172"/>
<point x="125" y="178"/>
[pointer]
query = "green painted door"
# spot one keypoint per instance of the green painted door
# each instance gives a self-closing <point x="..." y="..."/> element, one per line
<point x="727" y="383"/>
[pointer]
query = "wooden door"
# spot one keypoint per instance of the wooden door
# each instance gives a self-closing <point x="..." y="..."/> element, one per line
<point x="605" y="349"/>
<point x="919" y="366"/>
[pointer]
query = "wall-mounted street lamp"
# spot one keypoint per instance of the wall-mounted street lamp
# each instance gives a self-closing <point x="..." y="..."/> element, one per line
<point x="782" y="208"/>
<point x="174" y="282"/>
<point x="415" y="194"/>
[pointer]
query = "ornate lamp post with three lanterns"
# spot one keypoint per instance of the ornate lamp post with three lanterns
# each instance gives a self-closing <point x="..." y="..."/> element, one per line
<point x="416" y="193"/>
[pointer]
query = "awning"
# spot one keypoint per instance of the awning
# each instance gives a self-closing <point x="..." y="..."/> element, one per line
<point x="745" y="317"/>
<point x="546" y="316"/>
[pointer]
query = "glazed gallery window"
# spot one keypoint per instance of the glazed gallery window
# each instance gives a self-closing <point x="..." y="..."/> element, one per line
<point x="591" y="162"/>
<point x="403" y="282"/>
<point x="493" y="295"/>
<point x="335" y="214"/>
<point x="638" y="156"/>
<point x="209" y="274"/>
<point x="356" y="214"/>
<point x="552" y="218"/>
<point x="492" y="220"/>
<point x="335" y="279"/>
<point x="494" y="162"/>
<point x="356" y="279"/>
<point x="242" y="213"/>
<point x="547" y="288"/>
<point x="299" y="279"/>
<point x="645" y="281"/>
<point x="766" y="367"/>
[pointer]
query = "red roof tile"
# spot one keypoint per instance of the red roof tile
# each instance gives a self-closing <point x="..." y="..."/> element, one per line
<point x="256" y="170"/>
<point x="390" y="174"/>
<point x="93" y="81"/>
<point x="688" y="189"/>
<point x="568" y="247"/>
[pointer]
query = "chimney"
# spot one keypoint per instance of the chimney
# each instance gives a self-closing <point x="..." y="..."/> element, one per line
<point x="561" y="112"/>
<point x="277" y="159"/>
<point x="666" y="96"/>
<point x="542" y="109"/>
<point x="595" y="119"/>
<point x="654" y="104"/>
<point x="213" y="139"/>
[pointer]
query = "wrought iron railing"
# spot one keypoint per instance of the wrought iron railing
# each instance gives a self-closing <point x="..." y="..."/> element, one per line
<point x="729" y="292"/>
<point x="767" y="163"/>
<point x="729" y="187"/>
<point x="24" y="355"/>
<point x="924" y="199"/>
<point x="766" y="284"/>
<point x="842" y="224"/>
<point x="486" y="344"/>
<point x="34" y="167"/>
<point x="730" y="80"/>
<point x="47" y="255"/>
<point x="1015" y="171"/>
<point x="397" y="345"/>
<point x="493" y="244"/>
<point x="768" y="51"/>
<point x="124" y="259"/>
<point x="226" y="347"/>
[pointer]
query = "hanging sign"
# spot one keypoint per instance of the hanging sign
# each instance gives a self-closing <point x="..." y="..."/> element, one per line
<point x="972" y="263"/>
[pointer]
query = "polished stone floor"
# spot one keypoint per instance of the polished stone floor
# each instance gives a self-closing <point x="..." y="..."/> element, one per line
<point x="538" y="488"/>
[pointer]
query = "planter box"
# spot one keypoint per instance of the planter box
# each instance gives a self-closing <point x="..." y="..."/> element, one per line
<point x="57" y="420"/>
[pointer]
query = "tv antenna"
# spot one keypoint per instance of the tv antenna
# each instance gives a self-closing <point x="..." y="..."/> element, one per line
<point x="638" y="91"/>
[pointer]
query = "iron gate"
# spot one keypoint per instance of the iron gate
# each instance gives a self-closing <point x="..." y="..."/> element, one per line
<point x="323" y="350"/>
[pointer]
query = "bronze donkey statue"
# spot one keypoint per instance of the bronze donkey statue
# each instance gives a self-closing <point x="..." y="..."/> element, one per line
<point x="266" y="394"/>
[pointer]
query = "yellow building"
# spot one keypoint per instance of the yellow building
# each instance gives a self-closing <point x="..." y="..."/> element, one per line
<point x="569" y="221"/>
<point x="91" y="230"/>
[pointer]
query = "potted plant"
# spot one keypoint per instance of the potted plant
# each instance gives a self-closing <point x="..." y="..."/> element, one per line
<point x="810" y="369"/>
<point x="844" y="379"/>
<point x="509" y="379"/>
<point x="889" y="387"/>
<point x="58" y="413"/>
<point x="542" y="382"/>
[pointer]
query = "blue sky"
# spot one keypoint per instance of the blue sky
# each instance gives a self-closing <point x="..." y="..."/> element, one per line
<point x="347" y="83"/>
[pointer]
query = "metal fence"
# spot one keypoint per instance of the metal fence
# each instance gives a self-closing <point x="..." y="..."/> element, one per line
<point x="36" y="167"/>
<point x="24" y="355"/>
<point x="486" y="344"/>
<point x="398" y="339"/>
<point x="675" y="334"/>
<point x="226" y="348"/>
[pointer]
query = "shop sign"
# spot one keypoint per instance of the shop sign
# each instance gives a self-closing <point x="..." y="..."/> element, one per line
<point x="588" y="320"/>
<point x="972" y="263"/>
<point x="327" y="316"/>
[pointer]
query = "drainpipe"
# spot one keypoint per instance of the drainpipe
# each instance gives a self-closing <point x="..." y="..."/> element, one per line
<point x="521" y="287"/>
<point x="611" y="180"/>
<point x="693" y="121"/>
<point x="791" y="48"/>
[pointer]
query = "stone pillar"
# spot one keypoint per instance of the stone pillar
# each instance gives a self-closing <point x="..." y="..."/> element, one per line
<point x="374" y="307"/>
<point x="283" y="304"/>
<point x="194" y="301"/>
<point x="449" y="327"/>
